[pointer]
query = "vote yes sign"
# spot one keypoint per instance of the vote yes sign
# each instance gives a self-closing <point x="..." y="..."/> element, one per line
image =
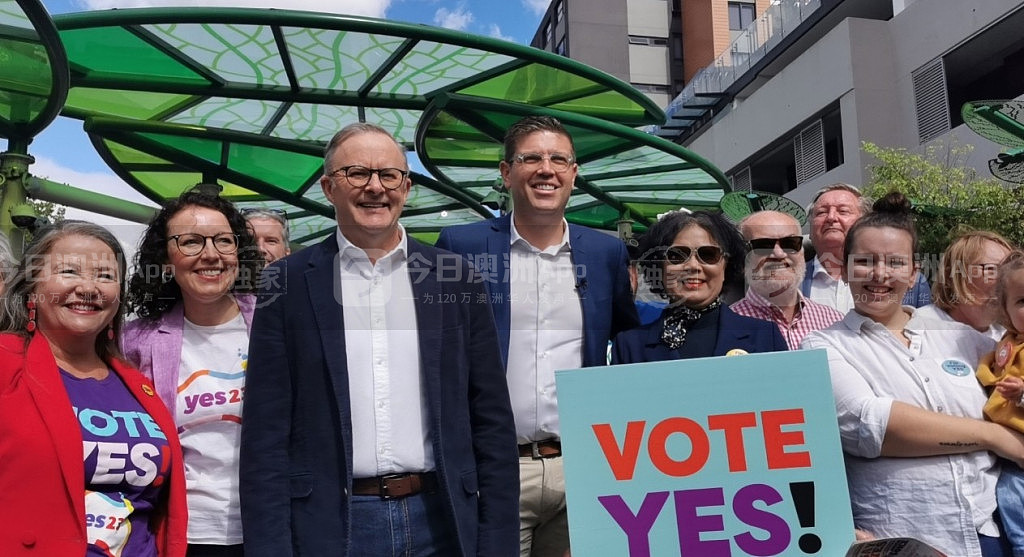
<point x="712" y="457"/>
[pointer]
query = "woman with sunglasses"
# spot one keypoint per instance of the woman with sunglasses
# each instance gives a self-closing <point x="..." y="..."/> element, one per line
<point x="691" y="259"/>
<point x="195" y="263"/>
<point x="919" y="455"/>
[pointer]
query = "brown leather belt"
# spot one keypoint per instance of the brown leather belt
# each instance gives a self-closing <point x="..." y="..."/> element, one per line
<point x="395" y="486"/>
<point x="549" y="448"/>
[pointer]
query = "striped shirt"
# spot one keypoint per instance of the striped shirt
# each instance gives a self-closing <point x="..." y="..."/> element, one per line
<point x="809" y="316"/>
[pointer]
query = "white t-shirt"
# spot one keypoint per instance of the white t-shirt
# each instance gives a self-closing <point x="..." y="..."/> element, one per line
<point x="211" y="382"/>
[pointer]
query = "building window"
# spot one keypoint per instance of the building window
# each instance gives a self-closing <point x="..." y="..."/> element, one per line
<point x="559" y="11"/>
<point x="550" y="32"/>
<point x="560" y="49"/>
<point x="741" y="15"/>
<point x="648" y="41"/>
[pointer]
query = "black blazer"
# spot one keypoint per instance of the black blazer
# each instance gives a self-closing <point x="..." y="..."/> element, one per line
<point x="296" y="451"/>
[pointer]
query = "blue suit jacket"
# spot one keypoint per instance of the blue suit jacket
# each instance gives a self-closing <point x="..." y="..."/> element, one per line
<point x="296" y="452"/>
<point x="710" y="336"/>
<point x="602" y="279"/>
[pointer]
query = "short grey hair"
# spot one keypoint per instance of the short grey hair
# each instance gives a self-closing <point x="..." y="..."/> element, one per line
<point x="352" y="130"/>
<point x="276" y="216"/>
<point x="864" y="202"/>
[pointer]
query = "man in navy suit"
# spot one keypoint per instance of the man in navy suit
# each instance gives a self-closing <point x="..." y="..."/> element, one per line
<point x="377" y="414"/>
<point x="559" y="292"/>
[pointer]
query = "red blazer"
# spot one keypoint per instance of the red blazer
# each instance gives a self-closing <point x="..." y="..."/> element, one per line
<point x="42" y="477"/>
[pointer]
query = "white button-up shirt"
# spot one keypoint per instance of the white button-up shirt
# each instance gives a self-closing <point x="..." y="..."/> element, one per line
<point x="931" y="311"/>
<point x="825" y="290"/>
<point x="546" y="332"/>
<point x="390" y="428"/>
<point x="943" y="500"/>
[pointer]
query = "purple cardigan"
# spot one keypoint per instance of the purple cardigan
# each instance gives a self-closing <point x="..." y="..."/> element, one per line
<point x="154" y="347"/>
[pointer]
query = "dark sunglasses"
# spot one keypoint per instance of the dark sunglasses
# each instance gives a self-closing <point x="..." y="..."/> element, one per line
<point x="789" y="244"/>
<point x="708" y="255"/>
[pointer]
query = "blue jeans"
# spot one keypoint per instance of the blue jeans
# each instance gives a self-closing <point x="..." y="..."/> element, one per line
<point x="1010" y="497"/>
<point x="414" y="526"/>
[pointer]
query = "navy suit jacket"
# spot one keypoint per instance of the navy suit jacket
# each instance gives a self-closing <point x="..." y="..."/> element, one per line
<point x="296" y="449"/>
<point x="602" y="279"/>
<point x="709" y="336"/>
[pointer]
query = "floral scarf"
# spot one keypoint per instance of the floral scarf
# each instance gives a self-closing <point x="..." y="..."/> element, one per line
<point x="680" y="318"/>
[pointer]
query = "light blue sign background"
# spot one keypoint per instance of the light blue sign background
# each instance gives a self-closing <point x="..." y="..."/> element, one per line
<point x="696" y="389"/>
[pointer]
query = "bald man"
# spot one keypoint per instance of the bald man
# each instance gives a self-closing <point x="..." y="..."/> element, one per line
<point x="774" y="269"/>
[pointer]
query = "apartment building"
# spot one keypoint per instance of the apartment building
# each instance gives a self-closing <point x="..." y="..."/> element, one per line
<point x="655" y="45"/>
<point x="786" y="108"/>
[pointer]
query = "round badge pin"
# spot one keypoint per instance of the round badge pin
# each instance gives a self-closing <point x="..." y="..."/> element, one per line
<point x="736" y="352"/>
<point x="956" y="367"/>
<point x="1003" y="352"/>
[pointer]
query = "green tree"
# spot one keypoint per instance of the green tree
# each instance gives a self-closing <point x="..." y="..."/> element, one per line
<point x="49" y="211"/>
<point x="949" y="197"/>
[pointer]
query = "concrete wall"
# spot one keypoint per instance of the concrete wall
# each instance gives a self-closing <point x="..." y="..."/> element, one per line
<point x="598" y="35"/>
<point x="648" y="18"/>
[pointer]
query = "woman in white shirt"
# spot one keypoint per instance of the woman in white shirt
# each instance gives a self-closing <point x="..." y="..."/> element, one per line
<point x="965" y="284"/>
<point x="196" y="264"/>
<point x="918" y="458"/>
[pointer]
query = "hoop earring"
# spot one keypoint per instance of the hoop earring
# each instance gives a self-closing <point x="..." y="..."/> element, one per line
<point x="166" y="276"/>
<point x="31" y="325"/>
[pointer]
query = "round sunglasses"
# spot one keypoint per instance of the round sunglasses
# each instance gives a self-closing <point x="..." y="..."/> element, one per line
<point x="708" y="255"/>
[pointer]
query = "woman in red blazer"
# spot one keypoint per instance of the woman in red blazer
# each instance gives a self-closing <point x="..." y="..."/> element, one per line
<point x="91" y="460"/>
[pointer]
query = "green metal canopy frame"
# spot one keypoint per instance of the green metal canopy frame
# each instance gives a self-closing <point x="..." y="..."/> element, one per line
<point x="248" y="98"/>
<point x="33" y="86"/>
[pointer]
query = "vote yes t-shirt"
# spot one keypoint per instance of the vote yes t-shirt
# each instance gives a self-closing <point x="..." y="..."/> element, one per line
<point x="127" y="461"/>
<point x="208" y="413"/>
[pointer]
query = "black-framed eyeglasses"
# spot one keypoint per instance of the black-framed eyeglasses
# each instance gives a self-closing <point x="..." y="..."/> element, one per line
<point x="708" y="255"/>
<point x="192" y="244"/>
<point x="359" y="176"/>
<point x="789" y="244"/>
<point x="246" y="211"/>
<point x="558" y="161"/>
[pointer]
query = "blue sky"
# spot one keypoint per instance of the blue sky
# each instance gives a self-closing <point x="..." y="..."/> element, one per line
<point x="64" y="154"/>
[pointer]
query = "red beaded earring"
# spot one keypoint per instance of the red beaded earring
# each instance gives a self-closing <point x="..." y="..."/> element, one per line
<point x="110" y="332"/>
<point x="31" y="326"/>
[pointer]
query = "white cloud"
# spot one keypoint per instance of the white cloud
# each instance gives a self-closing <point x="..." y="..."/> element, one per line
<point x="457" y="19"/>
<point x="495" y="32"/>
<point x="127" y="232"/>
<point x="370" y="8"/>
<point x="538" y="7"/>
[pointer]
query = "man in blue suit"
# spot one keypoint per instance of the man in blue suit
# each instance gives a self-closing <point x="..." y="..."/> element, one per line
<point x="377" y="413"/>
<point x="559" y="292"/>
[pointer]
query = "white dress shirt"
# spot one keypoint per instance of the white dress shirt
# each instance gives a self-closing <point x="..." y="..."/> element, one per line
<point x="931" y="311"/>
<point x="943" y="500"/>
<point x="834" y="293"/>
<point x="546" y="332"/>
<point x="390" y="428"/>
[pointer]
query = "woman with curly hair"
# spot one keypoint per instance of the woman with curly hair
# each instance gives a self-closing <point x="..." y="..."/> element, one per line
<point x="196" y="264"/>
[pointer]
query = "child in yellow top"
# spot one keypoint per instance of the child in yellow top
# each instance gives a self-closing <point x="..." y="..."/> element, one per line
<point x="1004" y="370"/>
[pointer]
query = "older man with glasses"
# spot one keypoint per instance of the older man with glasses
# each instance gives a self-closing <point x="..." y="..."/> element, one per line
<point x="270" y="228"/>
<point x="774" y="270"/>
<point x="377" y="417"/>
